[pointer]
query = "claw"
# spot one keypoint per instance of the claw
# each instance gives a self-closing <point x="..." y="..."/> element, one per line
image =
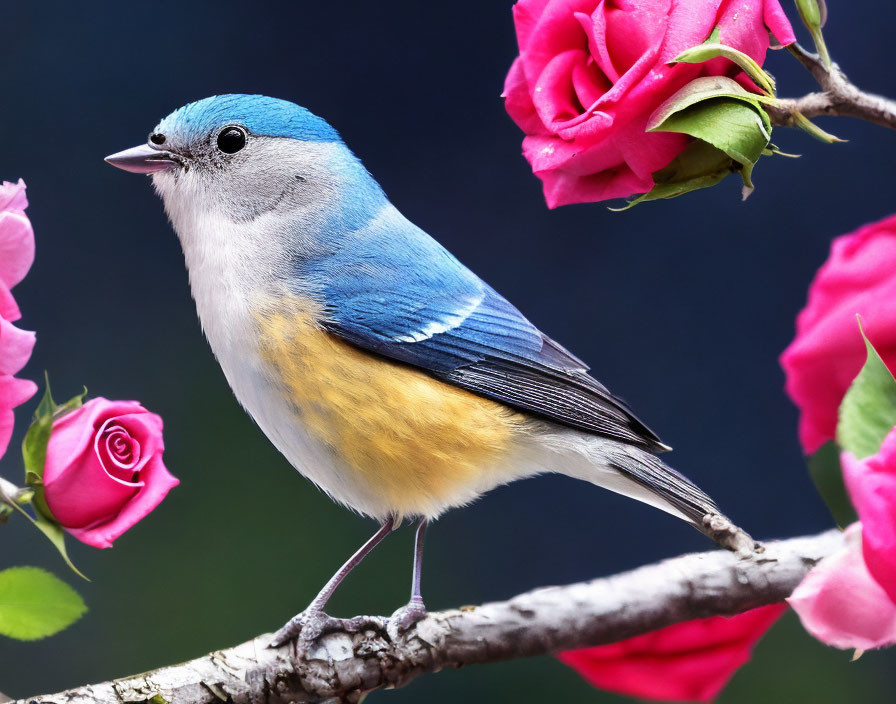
<point x="307" y="627"/>
<point x="407" y="616"/>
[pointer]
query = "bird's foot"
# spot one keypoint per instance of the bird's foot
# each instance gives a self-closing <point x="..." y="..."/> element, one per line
<point x="305" y="628"/>
<point x="407" y="616"/>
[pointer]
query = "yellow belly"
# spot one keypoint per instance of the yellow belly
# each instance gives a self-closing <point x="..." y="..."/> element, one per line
<point x="416" y="442"/>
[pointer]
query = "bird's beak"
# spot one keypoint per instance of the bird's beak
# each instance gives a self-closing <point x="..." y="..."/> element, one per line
<point x="143" y="160"/>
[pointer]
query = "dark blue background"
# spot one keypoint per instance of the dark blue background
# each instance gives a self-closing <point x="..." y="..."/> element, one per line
<point x="682" y="307"/>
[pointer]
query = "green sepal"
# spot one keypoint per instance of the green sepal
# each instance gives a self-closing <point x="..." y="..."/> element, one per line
<point x="35" y="604"/>
<point x="34" y="454"/>
<point x="827" y="475"/>
<point x="54" y="532"/>
<point x="868" y="410"/>
<point x="809" y="127"/>
<point x="715" y="49"/>
<point x="731" y="126"/>
<point x="702" y="89"/>
<point x="700" y="165"/>
<point x="34" y="446"/>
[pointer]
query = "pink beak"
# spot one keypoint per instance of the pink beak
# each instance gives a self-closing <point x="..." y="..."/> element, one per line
<point x="142" y="160"/>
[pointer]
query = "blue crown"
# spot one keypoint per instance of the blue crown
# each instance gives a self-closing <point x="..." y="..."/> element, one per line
<point x="258" y="113"/>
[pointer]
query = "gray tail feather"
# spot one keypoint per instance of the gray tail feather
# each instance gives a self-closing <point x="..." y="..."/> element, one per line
<point x="680" y="492"/>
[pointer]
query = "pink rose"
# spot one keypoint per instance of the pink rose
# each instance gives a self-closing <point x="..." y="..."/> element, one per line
<point x="16" y="257"/>
<point x="849" y="599"/>
<point x="690" y="661"/>
<point x="104" y="469"/>
<point x="827" y="353"/>
<point x="591" y="72"/>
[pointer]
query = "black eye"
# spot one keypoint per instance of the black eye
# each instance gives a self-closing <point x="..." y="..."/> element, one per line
<point x="231" y="140"/>
<point x="157" y="138"/>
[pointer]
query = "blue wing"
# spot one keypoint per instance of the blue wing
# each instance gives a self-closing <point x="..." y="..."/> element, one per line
<point x="417" y="304"/>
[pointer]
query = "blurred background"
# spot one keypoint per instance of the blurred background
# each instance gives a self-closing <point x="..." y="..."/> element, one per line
<point x="681" y="307"/>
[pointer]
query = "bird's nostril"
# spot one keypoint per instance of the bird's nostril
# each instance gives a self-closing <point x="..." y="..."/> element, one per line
<point x="157" y="138"/>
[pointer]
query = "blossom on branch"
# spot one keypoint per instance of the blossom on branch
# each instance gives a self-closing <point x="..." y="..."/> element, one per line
<point x="16" y="257"/>
<point x="590" y="74"/>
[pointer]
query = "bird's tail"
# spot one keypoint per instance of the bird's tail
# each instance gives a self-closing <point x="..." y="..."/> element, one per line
<point x="650" y="472"/>
<point x="641" y="475"/>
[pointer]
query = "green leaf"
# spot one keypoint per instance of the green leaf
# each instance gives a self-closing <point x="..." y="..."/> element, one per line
<point x="712" y="50"/>
<point x="35" y="604"/>
<point x="700" y="89"/>
<point x="826" y="473"/>
<point x="734" y="126"/>
<point x="868" y="410"/>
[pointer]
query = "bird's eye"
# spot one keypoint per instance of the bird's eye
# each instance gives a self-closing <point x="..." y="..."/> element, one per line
<point x="157" y="138"/>
<point x="231" y="140"/>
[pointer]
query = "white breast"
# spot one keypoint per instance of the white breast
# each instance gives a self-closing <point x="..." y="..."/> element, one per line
<point x="233" y="268"/>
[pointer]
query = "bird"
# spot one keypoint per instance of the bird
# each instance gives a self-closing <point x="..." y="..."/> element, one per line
<point x="382" y="368"/>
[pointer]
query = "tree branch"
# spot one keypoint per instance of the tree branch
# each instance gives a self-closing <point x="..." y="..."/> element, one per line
<point x="369" y="655"/>
<point x="839" y="96"/>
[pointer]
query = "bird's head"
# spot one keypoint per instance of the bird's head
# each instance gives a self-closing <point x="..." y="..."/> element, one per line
<point x="240" y="157"/>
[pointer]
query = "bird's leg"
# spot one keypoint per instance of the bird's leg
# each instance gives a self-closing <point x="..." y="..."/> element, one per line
<point x="313" y="622"/>
<point x="414" y="610"/>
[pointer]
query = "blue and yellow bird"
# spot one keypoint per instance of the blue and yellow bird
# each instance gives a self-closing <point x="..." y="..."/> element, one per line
<point x="385" y="371"/>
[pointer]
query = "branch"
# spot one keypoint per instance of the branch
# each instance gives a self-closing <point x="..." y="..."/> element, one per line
<point x="839" y="96"/>
<point x="344" y="664"/>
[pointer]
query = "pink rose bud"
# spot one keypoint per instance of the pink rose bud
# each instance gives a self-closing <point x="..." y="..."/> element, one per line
<point x="591" y="73"/>
<point x="859" y="278"/>
<point x="104" y="469"/>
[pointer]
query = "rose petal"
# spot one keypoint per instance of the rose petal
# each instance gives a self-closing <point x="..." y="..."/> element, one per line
<point x="73" y="434"/>
<point x="744" y="25"/>
<point x="13" y="392"/>
<point x="872" y="487"/>
<point x="9" y="310"/>
<point x="778" y="24"/>
<point x="841" y="604"/>
<point x="157" y="483"/>
<point x="16" y="246"/>
<point x="85" y="494"/>
<point x="15" y="347"/>
<point x="689" y="661"/>
<point x="554" y="96"/>
<point x="689" y="24"/>
<point x="563" y="188"/>
<point x="555" y="31"/>
<point x="12" y="196"/>
<point x="518" y="101"/>
<point x="633" y="29"/>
